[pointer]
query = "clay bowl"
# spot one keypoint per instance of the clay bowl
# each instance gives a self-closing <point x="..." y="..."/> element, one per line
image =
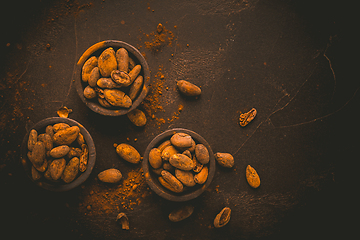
<point x="152" y="178"/>
<point x="59" y="186"/>
<point x="96" y="50"/>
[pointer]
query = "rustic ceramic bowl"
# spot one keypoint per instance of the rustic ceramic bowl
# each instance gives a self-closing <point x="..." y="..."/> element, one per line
<point x="59" y="186"/>
<point x="152" y="178"/>
<point x="96" y="50"/>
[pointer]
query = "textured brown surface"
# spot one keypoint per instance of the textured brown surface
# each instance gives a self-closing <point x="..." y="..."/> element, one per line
<point x="288" y="59"/>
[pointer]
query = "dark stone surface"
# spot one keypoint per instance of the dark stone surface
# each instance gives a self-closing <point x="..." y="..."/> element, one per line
<point x="288" y="59"/>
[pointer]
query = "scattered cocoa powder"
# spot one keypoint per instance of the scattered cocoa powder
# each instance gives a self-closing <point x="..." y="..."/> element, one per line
<point x="104" y="199"/>
<point x="151" y="103"/>
<point x="157" y="39"/>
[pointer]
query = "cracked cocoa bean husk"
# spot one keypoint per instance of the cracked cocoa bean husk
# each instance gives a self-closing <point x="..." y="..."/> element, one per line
<point x="222" y="218"/>
<point x="124" y="220"/>
<point x="246" y="118"/>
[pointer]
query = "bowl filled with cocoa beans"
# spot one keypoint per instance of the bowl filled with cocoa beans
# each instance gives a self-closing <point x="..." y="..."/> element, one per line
<point x="58" y="154"/>
<point x="179" y="164"/>
<point x="112" y="77"/>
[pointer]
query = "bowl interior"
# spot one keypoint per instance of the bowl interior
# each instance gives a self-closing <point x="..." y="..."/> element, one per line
<point x="96" y="50"/>
<point x="59" y="186"/>
<point x="152" y="178"/>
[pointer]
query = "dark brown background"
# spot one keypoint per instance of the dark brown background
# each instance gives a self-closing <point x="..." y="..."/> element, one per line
<point x="291" y="60"/>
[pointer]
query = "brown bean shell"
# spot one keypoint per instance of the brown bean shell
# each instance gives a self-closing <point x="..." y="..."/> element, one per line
<point x="57" y="168"/>
<point x="50" y="131"/>
<point x="46" y="139"/>
<point x="181" y="161"/>
<point x="252" y="177"/>
<point x="38" y="153"/>
<point x="188" y="88"/>
<point x="60" y="151"/>
<point x="181" y="140"/>
<point x="224" y="159"/>
<point x="71" y="170"/>
<point x="35" y="174"/>
<point x="60" y="126"/>
<point x="84" y="157"/>
<point x="33" y="135"/>
<point x="122" y="57"/>
<point x="80" y="139"/>
<point x="201" y="177"/>
<point x="136" y="87"/>
<point x="121" y="78"/>
<point x="124" y="220"/>
<point x="66" y="136"/>
<point x="117" y="98"/>
<point x="155" y="158"/>
<point x="74" y="152"/>
<point x="107" y="83"/>
<point x="111" y="175"/>
<point x="163" y="145"/>
<point x="103" y="102"/>
<point x="202" y="154"/>
<point x="134" y="73"/>
<point x="94" y="77"/>
<point x="186" y="177"/>
<point x="167" y="185"/>
<point x="107" y="62"/>
<point x="88" y="67"/>
<point x="128" y="153"/>
<point x="168" y="152"/>
<point x="172" y="180"/>
<point x="137" y="117"/>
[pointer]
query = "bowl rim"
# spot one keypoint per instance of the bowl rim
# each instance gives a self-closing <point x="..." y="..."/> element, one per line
<point x="56" y="186"/>
<point x="162" y="191"/>
<point x="96" y="107"/>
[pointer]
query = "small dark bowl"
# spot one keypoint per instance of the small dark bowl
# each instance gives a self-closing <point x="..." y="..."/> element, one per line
<point x="59" y="186"/>
<point x="96" y="50"/>
<point x="152" y="178"/>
